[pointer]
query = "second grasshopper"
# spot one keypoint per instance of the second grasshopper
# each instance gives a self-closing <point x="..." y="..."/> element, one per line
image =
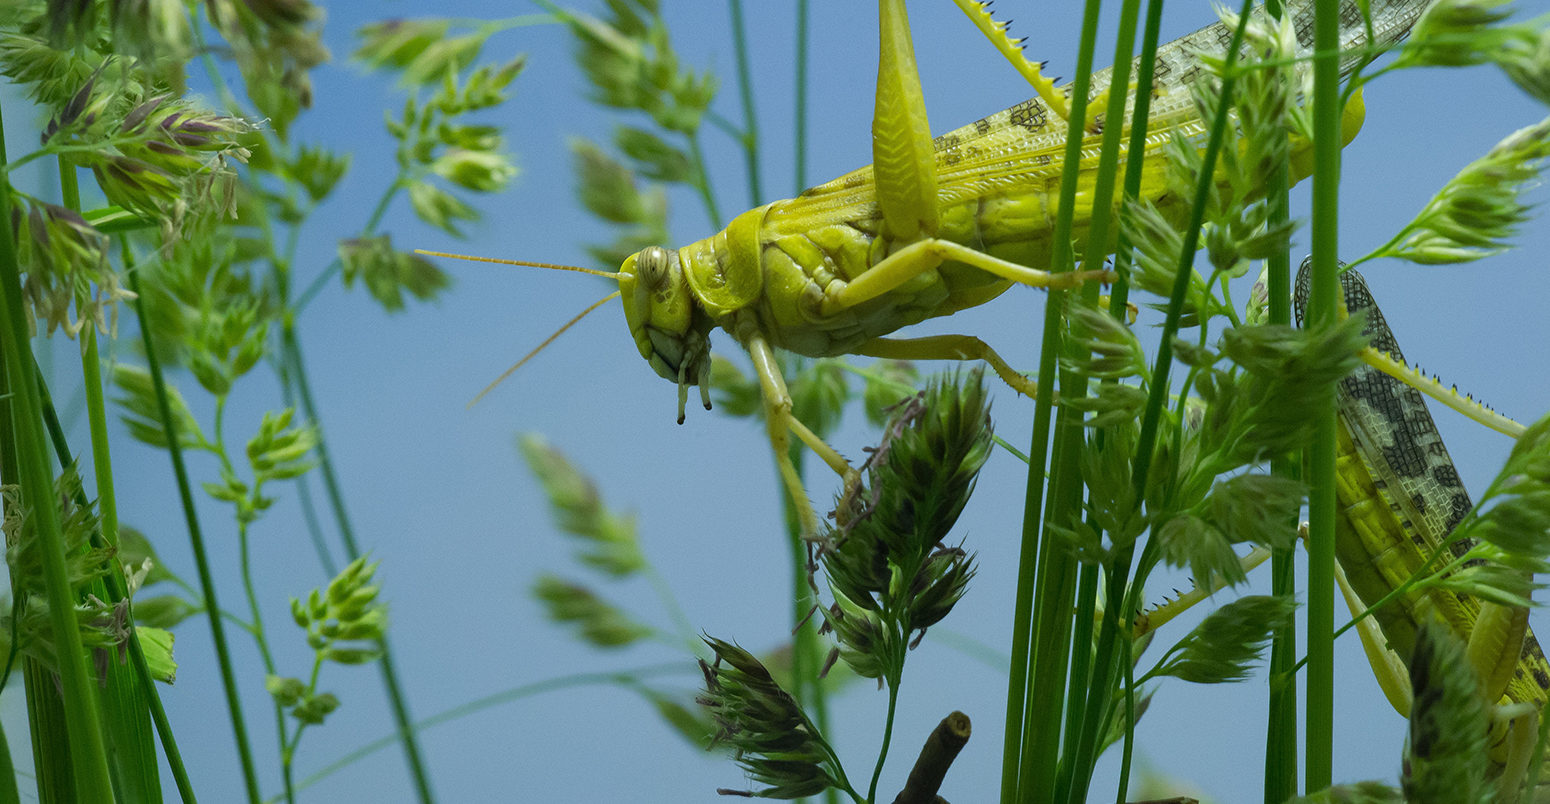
<point x="1400" y="498"/>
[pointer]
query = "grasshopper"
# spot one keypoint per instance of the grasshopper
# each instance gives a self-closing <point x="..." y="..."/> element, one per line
<point x="932" y="227"/>
<point x="1399" y="498"/>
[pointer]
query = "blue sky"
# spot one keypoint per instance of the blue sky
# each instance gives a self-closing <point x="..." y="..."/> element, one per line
<point x="441" y="498"/>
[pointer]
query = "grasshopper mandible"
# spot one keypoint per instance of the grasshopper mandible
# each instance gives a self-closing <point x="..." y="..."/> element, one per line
<point x="1400" y="496"/>
<point x="932" y="227"/>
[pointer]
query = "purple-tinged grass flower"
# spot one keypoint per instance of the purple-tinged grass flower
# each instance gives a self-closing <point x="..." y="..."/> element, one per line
<point x="770" y="736"/>
<point x="64" y="262"/>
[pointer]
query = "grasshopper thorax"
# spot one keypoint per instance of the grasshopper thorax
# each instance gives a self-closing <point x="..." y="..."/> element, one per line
<point x="669" y="328"/>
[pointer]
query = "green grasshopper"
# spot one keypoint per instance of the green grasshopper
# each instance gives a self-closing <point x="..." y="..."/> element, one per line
<point x="932" y="227"/>
<point x="1399" y="498"/>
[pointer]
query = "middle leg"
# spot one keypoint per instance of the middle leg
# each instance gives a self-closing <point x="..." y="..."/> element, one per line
<point x="925" y="255"/>
<point x="949" y="347"/>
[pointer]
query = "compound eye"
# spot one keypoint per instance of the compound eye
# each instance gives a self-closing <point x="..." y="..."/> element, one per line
<point x="653" y="266"/>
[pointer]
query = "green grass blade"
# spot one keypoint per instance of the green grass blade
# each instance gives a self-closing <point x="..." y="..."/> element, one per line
<point x="196" y="540"/>
<point x="115" y="591"/>
<point x="1319" y="740"/>
<point x="87" y="750"/>
<point x="1281" y="714"/>
<point x="132" y="760"/>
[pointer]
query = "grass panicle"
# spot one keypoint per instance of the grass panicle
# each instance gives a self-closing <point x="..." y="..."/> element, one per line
<point x="1227" y="642"/>
<point x="770" y="736"/>
<point x="887" y="563"/>
<point x="1477" y="213"/>
<point x="597" y="621"/>
<point x="607" y="547"/>
<point x="608" y="540"/>
<point x="1460" y="33"/>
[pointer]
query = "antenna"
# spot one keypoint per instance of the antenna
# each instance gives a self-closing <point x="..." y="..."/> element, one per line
<point x="557" y="333"/>
<point x="529" y="356"/>
<point x="498" y="261"/>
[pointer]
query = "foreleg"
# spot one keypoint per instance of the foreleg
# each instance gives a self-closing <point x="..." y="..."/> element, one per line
<point x="780" y="424"/>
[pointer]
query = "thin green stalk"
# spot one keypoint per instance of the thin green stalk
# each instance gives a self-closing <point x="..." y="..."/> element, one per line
<point x="1022" y="630"/>
<point x="799" y="116"/>
<point x="882" y="753"/>
<point x="1119" y="588"/>
<point x="309" y="515"/>
<point x="290" y="746"/>
<point x="127" y="692"/>
<point x="9" y="794"/>
<point x="116" y="592"/>
<point x="55" y="780"/>
<point x="727" y="127"/>
<point x="1066" y="499"/>
<point x="687" y="635"/>
<point x="630" y="679"/>
<point x="195" y="536"/>
<point x="1281" y="715"/>
<point x="91" y="371"/>
<point x="1134" y="164"/>
<point x="44" y="708"/>
<point x="806" y="644"/>
<point x="804" y="666"/>
<point x="971" y="648"/>
<point x="1158" y="385"/>
<point x="256" y="629"/>
<point x="1322" y="304"/>
<point x="62" y="149"/>
<point x="1135" y="153"/>
<point x="1081" y="658"/>
<point x="396" y="698"/>
<point x="295" y="380"/>
<point x="701" y="182"/>
<point x="1281" y="719"/>
<point x="745" y="93"/>
<point x="315" y="287"/>
<point x="55" y="772"/>
<point x="1108" y="153"/>
<point x="1129" y="662"/>
<point x="79" y="690"/>
<point x="806" y="687"/>
<point x="250" y="592"/>
<point x="7" y="473"/>
<point x="1042" y="718"/>
<point x="1055" y="570"/>
<point x="1080" y="684"/>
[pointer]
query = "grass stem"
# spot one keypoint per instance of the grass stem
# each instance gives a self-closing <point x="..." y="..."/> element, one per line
<point x="1318" y="746"/>
<point x="1281" y="714"/>
<point x="195" y="536"/>
<point x="1046" y="650"/>
<point x="77" y="684"/>
<point x="882" y="752"/>
<point x="398" y="702"/>
<point x="750" y="141"/>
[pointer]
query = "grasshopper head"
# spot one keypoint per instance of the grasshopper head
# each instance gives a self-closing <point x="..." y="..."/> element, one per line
<point x="670" y="329"/>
